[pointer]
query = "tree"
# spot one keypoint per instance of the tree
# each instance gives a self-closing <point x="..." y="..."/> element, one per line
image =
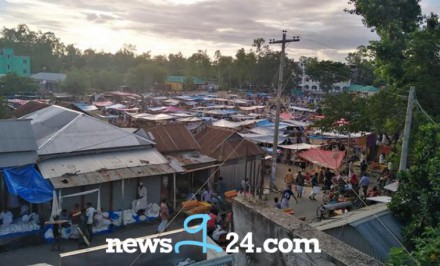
<point x="362" y="67"/>
<point x="106" y="79"/>
<point x="199" y="65"/>
<point x="45" y="49"/>
<point x="145" y="76"/>
<point x="188" y="84"/>
<point x="426" y="252"/>
<point x="346" y="106"/>
<point x="4" y="112"/>
<point x="77" y="82"/>
<point x="11" y="83"/>
<point x="416" y="201"/>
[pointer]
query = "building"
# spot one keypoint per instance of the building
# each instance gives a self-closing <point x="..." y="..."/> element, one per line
<point x="239" y="158"/>
<point x="362" y="90"/>
<point x="312" y="86"/>
<point x="80" y="153"/>
<point x="11" y="63"/>
<point x="176" y="83"/>
<point x="181" y="148"/>
<point x="49" y="82"/>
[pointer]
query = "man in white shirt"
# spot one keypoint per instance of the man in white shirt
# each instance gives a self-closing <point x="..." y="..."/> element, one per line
<point x="90" y="212"/>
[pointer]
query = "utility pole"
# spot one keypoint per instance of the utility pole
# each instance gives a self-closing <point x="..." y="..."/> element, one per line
<point x="407" y="130"/>
<point x="278" y="103"/>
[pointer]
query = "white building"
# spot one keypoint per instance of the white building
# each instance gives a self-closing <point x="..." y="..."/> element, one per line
<point x="309" y="85"/>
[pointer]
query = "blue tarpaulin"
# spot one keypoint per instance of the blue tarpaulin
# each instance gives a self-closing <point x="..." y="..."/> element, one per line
<point x="28" y="183"/>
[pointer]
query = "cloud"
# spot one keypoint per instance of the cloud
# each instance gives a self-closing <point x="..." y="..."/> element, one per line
<point x="169" y="26"/>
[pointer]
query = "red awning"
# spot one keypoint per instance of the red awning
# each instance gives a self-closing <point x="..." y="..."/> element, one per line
<point x="330" y="159"/>
<point x="286" y="116"/>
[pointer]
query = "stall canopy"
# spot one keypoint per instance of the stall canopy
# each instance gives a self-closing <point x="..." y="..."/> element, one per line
<point x="330" y="159"/>
<point x="27" y="183"/>
<point x="299" y="146"/>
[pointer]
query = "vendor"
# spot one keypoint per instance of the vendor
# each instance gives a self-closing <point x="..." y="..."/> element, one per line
<point x="141" y="203"/>
<point x="6" y="217"/>
<point x="102" y="220"/>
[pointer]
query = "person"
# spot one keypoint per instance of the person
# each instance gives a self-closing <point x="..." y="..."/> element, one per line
<point x="164" y="216"/>
<point x="213" y="215"/>
<point x="382" y="158"/>
<point x="315" y="187"/>
<point x="6" y="217"/>
<point x="341" y="183"/>
<point x="140" y="204"/>
<point x="221" y="186"/>
<point x="287" y="193"/>
<point x="364" y="166"/>
<point x="300" y="182"/>
<point x="101" y="220"/>
<point x="364" y="183"/>
<point x="289" y="178"/>
<point x="354" y="183"/>
<point x="327" y="179"/>
<point x="321" y="176"/>
<point x="219" y="234"/>
<point x="374" y="192"/>
<point x="90" y="212"/>
<point x="56" y="235"/>
<point x="277" y="204"/>
<point x="206" y="195"/>
<point x="245" y="185"/>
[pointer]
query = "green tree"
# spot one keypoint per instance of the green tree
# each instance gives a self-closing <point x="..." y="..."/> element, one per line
<point x="4" y="112"/>
<point x="346" y="106"/>
<point x="223" y="66"/>
<point x="11" y="83"/>
<point x="106" y="79"/>
<point x="45" y="49"/>
<point x="77" y="82"/>
<point x="199" y="65"/>
<point x="427" y="250"/>
<point x="188" y="84"/>
<point x="144" y="77"/>
<point x="416" y="201"/>
<point x="362" y="67"/>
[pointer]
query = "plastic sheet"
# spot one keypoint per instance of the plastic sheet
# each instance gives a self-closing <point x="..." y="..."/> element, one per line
<point x="28" y="183"/>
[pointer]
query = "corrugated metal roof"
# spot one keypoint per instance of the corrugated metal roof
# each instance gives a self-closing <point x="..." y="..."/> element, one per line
<point x="28" y="108"/>
<point x="350" y="217"/>
<point x="173" y="138"/>
<point x="11" y="159"/>
<point x="89" y="163"/>
<point x="190" y="158"/>
<point x="367" y="229"/>
<point x="110" y="175"/>
<point x="224" y="144"/>
<point x="61" y="130"/>
<point x="16" y="136"/>
<point x="49" y="76"/>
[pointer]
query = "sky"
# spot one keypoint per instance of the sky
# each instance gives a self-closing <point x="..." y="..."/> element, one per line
<point x="169" y="26"/>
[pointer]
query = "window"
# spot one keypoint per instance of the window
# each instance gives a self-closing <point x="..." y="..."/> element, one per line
<point x="24" y="71"/>
<point x="24" y="61"/>
<point x="9" y="56"/>
<point x="9" y="67"/>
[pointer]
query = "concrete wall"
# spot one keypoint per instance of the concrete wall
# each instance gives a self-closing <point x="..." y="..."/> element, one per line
<point x="265" y="222"/>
